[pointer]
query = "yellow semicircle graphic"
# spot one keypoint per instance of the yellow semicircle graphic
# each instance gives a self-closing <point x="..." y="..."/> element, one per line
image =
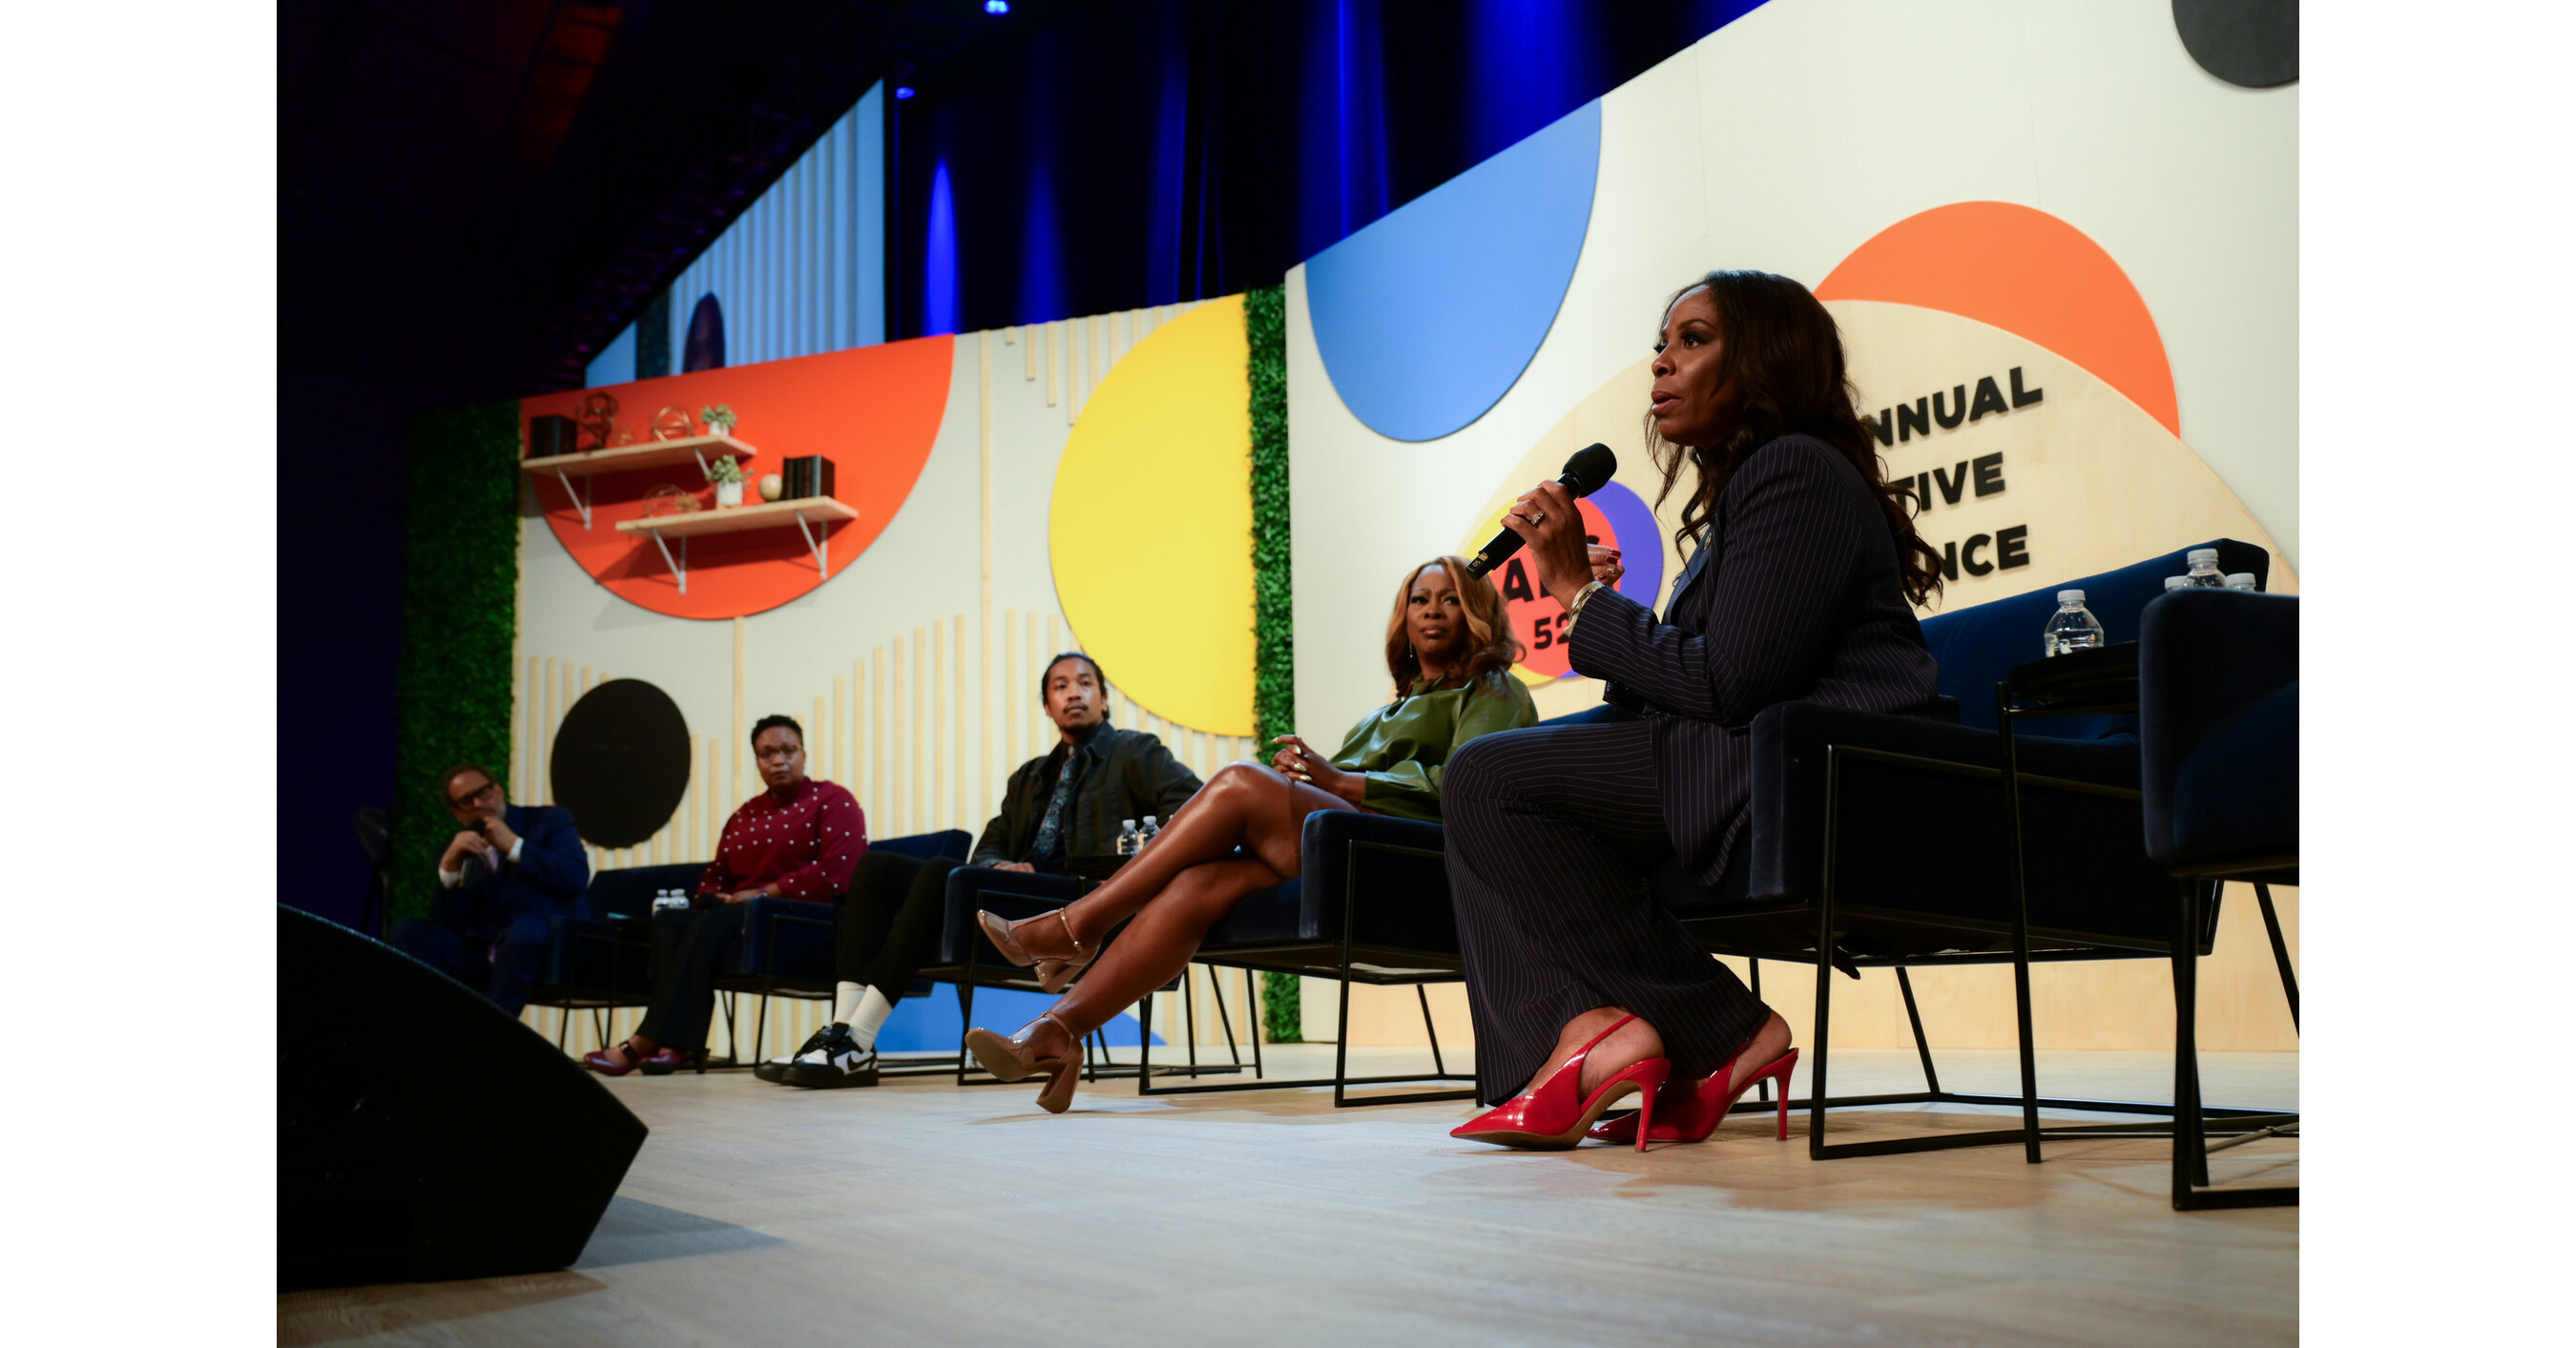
<point x="1150" y="528"/>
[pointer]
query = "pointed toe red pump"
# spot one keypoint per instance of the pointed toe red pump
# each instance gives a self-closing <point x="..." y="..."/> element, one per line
<point x="1552" y="1115"/>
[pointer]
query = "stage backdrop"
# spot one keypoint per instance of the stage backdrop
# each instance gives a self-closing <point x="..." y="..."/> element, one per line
<point x="2064" y="259"/>
<point x="2063" y="255"/>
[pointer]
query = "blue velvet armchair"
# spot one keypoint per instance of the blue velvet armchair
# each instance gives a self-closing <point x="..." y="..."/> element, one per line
<point x="2218" y="712"/>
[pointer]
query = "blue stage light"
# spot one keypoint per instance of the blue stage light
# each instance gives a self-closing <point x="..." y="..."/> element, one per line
<point x="903" y="91"/>
<point x="997" y="6"/>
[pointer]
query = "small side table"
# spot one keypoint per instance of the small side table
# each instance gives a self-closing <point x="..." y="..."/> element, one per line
<point x="2079" y="683"/>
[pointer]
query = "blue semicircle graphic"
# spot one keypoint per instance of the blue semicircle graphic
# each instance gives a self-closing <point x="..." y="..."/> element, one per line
<point x="1427" y="317"/>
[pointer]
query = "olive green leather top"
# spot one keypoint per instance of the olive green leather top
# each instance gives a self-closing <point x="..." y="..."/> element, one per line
<point x="1401" y="747"/>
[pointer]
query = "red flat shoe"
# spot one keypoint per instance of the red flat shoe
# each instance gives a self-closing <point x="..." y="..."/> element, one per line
<point x="1694" y="1117"/>
<point x="1552" y="1115"/>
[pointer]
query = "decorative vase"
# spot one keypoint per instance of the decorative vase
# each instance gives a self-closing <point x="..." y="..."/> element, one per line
<point x="728" y="494"/>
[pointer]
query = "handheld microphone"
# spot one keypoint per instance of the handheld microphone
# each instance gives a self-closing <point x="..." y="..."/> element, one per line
<point x="1590" y="467"/>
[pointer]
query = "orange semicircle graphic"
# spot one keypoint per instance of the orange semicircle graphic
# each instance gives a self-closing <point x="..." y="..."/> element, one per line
<point x="872" y="411"/>
<point x="2029" y="273"/>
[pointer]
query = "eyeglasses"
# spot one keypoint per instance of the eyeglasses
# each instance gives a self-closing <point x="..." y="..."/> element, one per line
<point x="781" y="754"/>
<point x="479" y="793"/>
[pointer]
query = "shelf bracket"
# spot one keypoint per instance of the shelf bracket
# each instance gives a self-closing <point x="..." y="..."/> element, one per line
<point x="702" y="463"/>
<point x="579" y="501"/>
<point x="818" y="540"/>
<point x="679" y="565"/>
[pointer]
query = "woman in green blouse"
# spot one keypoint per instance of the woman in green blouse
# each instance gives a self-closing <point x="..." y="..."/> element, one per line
<point x="1449" y="651"/>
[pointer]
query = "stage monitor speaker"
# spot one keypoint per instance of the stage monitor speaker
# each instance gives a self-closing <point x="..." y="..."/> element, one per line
<point x="422" y="1134"/>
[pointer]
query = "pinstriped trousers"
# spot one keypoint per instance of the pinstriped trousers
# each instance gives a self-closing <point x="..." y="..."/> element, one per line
<point x="1551" y="832"/>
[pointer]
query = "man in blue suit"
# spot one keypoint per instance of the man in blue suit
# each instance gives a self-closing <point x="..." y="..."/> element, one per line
<point x="510" y="868"/>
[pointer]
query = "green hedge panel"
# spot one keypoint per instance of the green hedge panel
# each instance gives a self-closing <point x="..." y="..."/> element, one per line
<point x="1274" y="686"/>
<point x="460" y="612"/>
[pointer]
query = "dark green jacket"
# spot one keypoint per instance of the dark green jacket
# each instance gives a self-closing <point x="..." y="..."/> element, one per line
<point x="1119" y="774"/>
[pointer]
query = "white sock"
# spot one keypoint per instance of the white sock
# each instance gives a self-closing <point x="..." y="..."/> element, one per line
<point x="863" y="1009"/>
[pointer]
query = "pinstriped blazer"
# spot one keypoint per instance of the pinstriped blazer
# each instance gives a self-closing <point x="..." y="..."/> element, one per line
<point x="1792" y="595"/>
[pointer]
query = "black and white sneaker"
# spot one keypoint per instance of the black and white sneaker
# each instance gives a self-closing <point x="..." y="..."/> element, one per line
<point x="775" y="1070"/>
<point x="837" y="1060"/>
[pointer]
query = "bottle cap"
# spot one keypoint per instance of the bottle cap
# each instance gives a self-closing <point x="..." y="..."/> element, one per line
<point x="2070" y="596"/>
<point x="1149" y="819"/>
<point x="1126" y="823"/>
<point x="2176" y="582"/>
<point x="2240" y="580"/>
<point x="2198" y="556"/>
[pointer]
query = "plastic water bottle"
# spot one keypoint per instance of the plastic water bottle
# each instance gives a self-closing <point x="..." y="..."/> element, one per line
<point x="2073" y="627"/>
<point x="2241" y="580"/>
<point x="1146" y="833"/>
<point x="2204" y="569"/>
<point x="1128" y="842"/>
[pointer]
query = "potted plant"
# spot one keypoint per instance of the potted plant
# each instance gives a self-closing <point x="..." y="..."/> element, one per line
<point x="727" y="475"/>
<point x="719" y="418"/>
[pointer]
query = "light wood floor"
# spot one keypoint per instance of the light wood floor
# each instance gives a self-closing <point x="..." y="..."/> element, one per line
<point x="919" y="1213"/>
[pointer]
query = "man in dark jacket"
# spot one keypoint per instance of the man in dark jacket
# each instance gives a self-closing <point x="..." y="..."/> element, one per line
<point x="1070" y="802"/>
<point x="502" y="876"/>
<point x="1066" y="804"/>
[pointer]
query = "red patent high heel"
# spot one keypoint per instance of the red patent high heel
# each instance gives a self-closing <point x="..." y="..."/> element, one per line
<point x="1553" y="1114"/>
<point x="1694" y="1118"/>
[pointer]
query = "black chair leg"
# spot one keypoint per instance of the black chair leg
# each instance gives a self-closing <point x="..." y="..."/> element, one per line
<point x="1824" y="1002"/>
<point x="1429" y="1030"/>
<point x="1224" y="1019"/>
<point x="2280" y="950"/>
<point x="1762" y="1088"/>
<point x="1190" y="1021"/>
<point x="966" y="1002"/>
<point x="2020" y="924"/>
<point x="2190" y="1161"/>
<point x="1922" y="1046"/>
<point x="1252" y="1012"/>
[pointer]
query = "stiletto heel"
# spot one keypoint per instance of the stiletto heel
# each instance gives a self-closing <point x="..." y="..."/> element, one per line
<point x="1694" y="1118"/>
<point x="1646" y="1110"/>
<point x="1553" y="1115"/>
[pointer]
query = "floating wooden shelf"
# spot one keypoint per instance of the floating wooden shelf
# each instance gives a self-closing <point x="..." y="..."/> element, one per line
<point x="812" y="516"/>
<point x="735" y="519"/>
<point x="647" y="454"/>
<point x="631" y="458"/>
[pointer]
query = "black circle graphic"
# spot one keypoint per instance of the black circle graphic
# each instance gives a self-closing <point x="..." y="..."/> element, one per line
<point x="2250" y="43"/>
<point x="621" y="762"/>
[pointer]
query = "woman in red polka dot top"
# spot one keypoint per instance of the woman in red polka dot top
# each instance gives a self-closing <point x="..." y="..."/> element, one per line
<point x="800" y="839"/>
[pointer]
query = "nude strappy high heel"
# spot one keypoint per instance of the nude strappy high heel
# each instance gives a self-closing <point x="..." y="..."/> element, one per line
<point x="1002" y="1057"/>
<point x="1053" y="972"/>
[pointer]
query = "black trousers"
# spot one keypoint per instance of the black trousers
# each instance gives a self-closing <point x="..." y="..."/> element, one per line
<point x="889" y="924"/>
<point x="1551" y="833"/>
<point x="686" y="946"/>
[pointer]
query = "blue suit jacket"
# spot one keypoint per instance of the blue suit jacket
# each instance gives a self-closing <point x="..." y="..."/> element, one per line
<point x="1793" y="595"/>
<point x="550" y="878"/>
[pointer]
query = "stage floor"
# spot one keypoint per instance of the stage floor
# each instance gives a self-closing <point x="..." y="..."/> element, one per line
<point x="917" y="1212"/>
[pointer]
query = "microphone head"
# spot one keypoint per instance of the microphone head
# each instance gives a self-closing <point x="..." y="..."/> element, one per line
<point x="1590" y="467"/>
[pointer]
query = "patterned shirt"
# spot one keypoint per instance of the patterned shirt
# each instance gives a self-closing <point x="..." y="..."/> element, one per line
<point x="807" y="842"/>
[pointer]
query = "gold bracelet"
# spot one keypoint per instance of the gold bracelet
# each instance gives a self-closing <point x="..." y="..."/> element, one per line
<point x="1574" y="608"/>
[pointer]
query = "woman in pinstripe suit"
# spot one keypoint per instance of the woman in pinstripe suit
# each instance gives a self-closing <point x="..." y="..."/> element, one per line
<point x="1800" y="586"/>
